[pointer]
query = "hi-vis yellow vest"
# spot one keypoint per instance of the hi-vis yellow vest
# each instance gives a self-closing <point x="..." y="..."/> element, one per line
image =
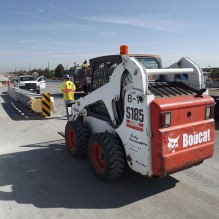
<point x="68" y="88"/>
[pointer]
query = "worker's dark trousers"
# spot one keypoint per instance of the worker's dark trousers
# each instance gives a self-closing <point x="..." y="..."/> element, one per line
<point x="68" y="105"/>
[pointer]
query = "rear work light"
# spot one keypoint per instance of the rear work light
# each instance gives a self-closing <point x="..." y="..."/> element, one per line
<point x="165" y="119"/>
<point x="209" y="112"/>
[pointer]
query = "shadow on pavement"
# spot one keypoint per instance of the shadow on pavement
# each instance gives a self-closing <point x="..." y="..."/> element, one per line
<point x="47" y="177"/>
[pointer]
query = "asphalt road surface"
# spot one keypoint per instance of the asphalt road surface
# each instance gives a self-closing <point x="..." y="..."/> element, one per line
<point x="39" y="179"/>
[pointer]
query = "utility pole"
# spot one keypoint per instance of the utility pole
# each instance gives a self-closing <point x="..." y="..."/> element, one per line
<point x="73" y="71"/>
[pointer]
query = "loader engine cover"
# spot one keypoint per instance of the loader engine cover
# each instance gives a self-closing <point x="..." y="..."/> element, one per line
<point x="189" y="138"/>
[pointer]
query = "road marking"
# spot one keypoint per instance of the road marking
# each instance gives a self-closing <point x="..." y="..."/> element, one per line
<point x="62" y="134"/>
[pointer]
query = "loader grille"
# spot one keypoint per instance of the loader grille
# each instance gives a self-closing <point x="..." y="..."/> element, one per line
<point x="170" y="89"/>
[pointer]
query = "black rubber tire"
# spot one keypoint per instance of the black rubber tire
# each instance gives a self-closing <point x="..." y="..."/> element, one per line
<point x="109" y="162"/>
<point x="76" y="137"/>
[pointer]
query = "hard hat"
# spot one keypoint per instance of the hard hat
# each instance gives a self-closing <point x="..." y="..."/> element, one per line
<point x="66" y="76"/>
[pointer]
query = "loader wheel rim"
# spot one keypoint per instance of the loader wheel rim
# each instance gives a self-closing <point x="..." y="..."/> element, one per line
<point x="71" y="140"/>
<point x="98" y="159"/>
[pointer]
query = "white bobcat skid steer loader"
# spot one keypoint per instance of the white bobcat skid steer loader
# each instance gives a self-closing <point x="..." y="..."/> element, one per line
<point x="157" y="126"/>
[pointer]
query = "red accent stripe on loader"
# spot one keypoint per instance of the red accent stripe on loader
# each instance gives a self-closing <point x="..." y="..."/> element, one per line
<point x="138" y="126"/>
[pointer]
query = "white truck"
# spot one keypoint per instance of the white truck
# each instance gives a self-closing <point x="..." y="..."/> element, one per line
<point x="157" y="120"/>
<point x="28" y="82"/>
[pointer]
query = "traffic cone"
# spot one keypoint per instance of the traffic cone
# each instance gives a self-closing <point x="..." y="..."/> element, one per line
<point x="8" y="83"/>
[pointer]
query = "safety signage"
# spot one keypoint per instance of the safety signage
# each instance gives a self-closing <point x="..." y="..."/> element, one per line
<point x="46" y="104"/>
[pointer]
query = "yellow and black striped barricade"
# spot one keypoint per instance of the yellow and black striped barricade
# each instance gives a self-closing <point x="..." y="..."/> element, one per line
<point x="38" y="104"/>
<point x="46" y="105"/>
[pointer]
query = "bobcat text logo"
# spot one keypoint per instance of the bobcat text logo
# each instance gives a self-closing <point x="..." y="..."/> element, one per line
<point x="196" y="138"/>
<point x="173" y="143"/>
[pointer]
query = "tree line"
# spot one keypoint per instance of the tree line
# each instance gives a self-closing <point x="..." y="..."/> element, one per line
<point x="57" y="73"/>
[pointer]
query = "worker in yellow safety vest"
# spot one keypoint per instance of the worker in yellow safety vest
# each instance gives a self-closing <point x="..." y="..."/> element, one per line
<point x="84" y="65"/>
<point x="68" y="89"/>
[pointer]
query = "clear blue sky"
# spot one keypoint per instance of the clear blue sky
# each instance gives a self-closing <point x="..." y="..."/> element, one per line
<point x="35" y="33"/>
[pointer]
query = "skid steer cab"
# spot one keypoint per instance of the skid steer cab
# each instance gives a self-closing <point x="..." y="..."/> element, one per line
<point x="158" y="121"/>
